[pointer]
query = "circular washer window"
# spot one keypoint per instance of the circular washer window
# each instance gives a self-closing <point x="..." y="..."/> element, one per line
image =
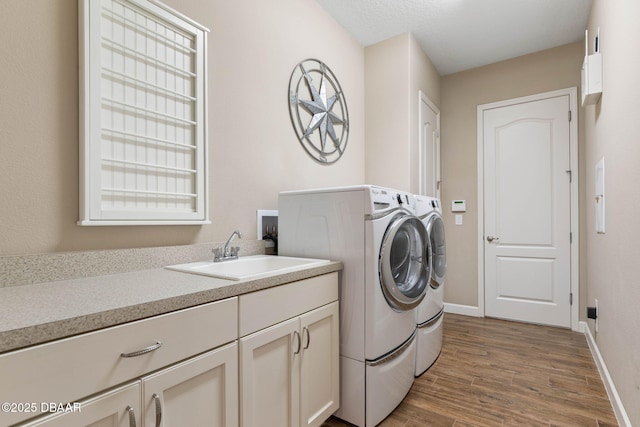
<point x="435" y="228"/>
<point x="318" y="111"/>
<point x="404" y="266"/>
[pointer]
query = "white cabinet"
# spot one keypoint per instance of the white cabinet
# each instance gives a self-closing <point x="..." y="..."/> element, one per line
<point x="116" y="408"/>
<point x="269" y="376"/>
<point x="202" y="391"/>
<point x="145" y="353"/>
<point x="289" y="373"/>
<point x="319" y="370"/>
<point x="69" y="369"/>
<point x="188" y="368"/>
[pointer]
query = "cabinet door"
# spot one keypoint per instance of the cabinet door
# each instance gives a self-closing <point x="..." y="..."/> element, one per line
<point x="202" y="391"/>
<point x="320" y="373"/>
<point x="116" y="408"/>
<point x="269" y="376"/>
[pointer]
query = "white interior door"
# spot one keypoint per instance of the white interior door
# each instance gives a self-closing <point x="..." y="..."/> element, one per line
<point x="527" y="215"/>
<point x="429" y="147"/>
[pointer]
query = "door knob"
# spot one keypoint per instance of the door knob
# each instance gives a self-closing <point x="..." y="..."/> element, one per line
<point x="491" y="238"/>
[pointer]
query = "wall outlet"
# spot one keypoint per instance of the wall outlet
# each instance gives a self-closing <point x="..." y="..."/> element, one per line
<point x="597" y="314"/>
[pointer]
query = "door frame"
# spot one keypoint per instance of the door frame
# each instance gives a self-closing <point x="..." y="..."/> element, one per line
<point x="573" y="147"/>
<point x="423" y="99"/>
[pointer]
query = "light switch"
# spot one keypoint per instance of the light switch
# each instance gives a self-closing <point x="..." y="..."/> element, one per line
<point x="458" y="219"/>
<point x="599" y="196"/>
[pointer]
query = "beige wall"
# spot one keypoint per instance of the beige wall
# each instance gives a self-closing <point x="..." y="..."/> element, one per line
<point x="612" y="131"/>
<point x="423" y="77"/>
<point x="396" y="69"/>
<point x="461" y="93"/>
<point x="253" y="47"/>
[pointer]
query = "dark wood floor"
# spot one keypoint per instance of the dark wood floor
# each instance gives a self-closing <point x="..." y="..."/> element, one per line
<point x="498" y="373"/>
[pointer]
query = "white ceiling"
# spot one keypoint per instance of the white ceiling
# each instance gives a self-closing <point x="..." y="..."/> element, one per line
<point x="461" y="34"/>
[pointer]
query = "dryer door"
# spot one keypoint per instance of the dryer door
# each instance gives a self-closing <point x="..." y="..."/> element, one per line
<point x="435" y="227"/>
<point x="405" y="262"/>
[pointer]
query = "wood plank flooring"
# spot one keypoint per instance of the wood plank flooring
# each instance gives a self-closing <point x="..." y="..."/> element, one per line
<point x="498" y="373"/>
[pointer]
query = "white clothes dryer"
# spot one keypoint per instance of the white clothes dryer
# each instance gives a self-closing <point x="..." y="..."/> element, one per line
<point x="430" y="312"/>
<point x="385" y="251"/>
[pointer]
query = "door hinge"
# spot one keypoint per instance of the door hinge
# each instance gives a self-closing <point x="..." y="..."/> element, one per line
<point x="568" y="171"/>
<point x="570" y="237"/>
<point x="569" y="115"/>
<point x="571" y="298"/>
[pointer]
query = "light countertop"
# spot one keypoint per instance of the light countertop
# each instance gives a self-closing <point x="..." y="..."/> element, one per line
<point x="37" y="313"/>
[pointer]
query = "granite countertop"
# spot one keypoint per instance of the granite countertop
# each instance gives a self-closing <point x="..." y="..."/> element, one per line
<point x="37" y="313"/>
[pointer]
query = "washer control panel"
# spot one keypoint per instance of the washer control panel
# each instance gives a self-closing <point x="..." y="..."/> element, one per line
<point x="384" y="198"/>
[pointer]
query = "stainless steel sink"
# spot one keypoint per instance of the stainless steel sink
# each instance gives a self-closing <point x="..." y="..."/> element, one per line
<point x="249" y="267"/>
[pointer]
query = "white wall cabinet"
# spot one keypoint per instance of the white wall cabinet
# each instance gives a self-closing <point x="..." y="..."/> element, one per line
<point x="289" y="372"/>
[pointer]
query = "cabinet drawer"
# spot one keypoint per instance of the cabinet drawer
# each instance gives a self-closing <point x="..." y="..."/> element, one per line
<point x="69" y="369"/>
<point x="265" y="308"/>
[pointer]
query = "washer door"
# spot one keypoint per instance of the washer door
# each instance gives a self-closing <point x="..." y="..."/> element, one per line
<point x="435" y="227"/>
<point x="404" y="265"/>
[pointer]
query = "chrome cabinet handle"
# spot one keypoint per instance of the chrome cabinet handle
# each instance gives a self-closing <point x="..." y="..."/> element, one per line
<point x="132" y="416"/>
<point x="149" y="349"/>
<point x="158" y="409"/>
<point x="296" y="334"/>
<point x="305" y="329"/>
<point x="491" y="238"/>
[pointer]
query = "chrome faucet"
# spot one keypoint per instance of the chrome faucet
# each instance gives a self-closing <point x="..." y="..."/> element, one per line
<point x="228" y="252"/>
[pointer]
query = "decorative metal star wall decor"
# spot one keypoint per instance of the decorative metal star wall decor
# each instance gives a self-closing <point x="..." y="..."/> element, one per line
<point x="318" y="111"/>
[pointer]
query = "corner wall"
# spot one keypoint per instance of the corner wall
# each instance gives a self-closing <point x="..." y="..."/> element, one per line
<point x="396" y="70"/>
<point x="612" y="131"/>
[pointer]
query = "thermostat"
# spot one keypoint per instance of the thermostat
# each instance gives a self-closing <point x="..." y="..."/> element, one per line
<point x="458" y="206"/>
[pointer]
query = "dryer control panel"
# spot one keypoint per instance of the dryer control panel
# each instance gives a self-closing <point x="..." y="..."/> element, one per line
<point x="385" y="198"/>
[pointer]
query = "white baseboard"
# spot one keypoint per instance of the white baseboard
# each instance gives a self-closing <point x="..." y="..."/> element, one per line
<point x="614" y="398"/>
<point x="466" y="310"/>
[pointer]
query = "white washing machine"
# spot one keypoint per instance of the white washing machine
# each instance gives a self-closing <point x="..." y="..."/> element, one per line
<point x="430" y="312"/>
<point x="385" y="251"/>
